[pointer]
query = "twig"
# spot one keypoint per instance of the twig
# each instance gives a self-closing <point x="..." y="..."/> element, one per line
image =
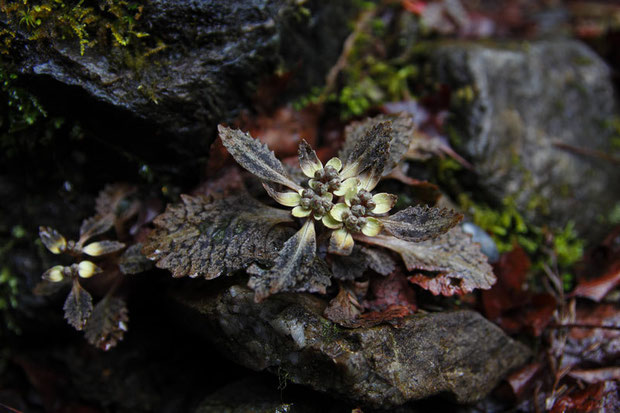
<point x="587" y="326"/>
<point x="593" y="153"/>
<point x="347" y="48"/>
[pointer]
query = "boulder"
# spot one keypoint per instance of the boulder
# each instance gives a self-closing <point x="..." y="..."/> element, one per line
<point x="210" y="58"/>
<point x="459" y="353"/>
<point x="536" y="121"/>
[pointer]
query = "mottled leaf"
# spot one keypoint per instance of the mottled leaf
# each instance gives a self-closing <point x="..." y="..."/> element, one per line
<point x="133" y="261"/>
<point x="201" y="237"/>
<point x="78" y="306"/>
<point x="420" y="223"/>
<point x="461" y="264"/>
<point x="255" y="156"/>
<point x="107" y="324"/>
<point x="52" y="239"/>
<point x="402" y="132"/>
<point x="294" y="269"/>
<point x="98" y="248"/>
<point x="369" y="153"/>
<point x="350" y="267"/>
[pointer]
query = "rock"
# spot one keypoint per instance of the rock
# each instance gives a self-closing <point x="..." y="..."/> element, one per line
<point x="215" y="54"/>
<point x="535" y="120"/>
<point x="459" y="353"/>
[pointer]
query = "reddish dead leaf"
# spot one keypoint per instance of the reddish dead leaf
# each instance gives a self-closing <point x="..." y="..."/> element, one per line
<point x="596" y="375"/>
<point x="506" y="294"/>
<point x="389" y="291"/>
<point x="283" y="130"/>
<point x="596" y="289"/>
<point x="533" y="316"/>
<point x="438" y="284"/>
<point x="595" y="397"/>
<point x="414" y="6"/>
<point x="521" y="379"/>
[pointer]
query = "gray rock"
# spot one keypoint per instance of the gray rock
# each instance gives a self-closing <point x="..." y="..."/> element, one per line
<point x="459" y="353"/>
<point x="535" y="120"/>
<point x="215" y="54"/>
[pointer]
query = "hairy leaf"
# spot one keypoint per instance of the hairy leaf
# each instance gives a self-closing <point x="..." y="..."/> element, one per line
<point x="52" y="239"/>
<point x="108" y="323"/>
<point x="294" y="269"/>
<point x="402" y="133"/>
<point x="94" y="226"/>
<point x="133" y="261"/>
<point x="369" y="153"/>
<point x="420" y="223"/>
<point x="201" y="237"/>
<point x="112" y="200"/>
<point x="255" y="157"/>
<point x="78" y="306"/>
<point x="461" y="264"/>
<point x="350" y="267"/>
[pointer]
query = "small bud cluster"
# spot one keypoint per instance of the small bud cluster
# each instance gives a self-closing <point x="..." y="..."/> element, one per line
<point x="312" y="200"/>
<point x="362" y="203"/>
<point x="352" y="222"/>
<point x="327" y="180"/>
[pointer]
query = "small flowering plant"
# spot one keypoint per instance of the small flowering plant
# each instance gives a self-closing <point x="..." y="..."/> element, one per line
<point x="336" y="196"/>
<point x="335" y="224"/>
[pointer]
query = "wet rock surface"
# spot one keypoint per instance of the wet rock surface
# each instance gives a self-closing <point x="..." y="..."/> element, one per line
<point x="212" y="56"/>
<point x="459" y="353"/>
<point x="535" y="120"/>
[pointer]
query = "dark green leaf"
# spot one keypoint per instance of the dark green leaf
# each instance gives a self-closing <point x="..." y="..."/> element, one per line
<point x="78" y="306"/>
<point x="420" y="223"/>
<point x="133" y="261"/>
<point x="461" y="264"/>
<point x="369" y="153"/>
<point x="255" y="157"/>
<point x="402" y="134"/>
<point x="200" y="237"/>
<point x="294" y="269"/>
<point x="108" y="323"/>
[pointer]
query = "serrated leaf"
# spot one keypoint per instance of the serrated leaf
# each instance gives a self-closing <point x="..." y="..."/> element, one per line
<point x="420" y="223"/>
<point x="94" y="226"/>
<point x="369" y="153"/>
<point x="78" y="306"/>
<point x="350" y="267"/>
<point x="454" y="255"/>
<point x="52" y="239"/>
<point x="108" y="323"/>
<point x="256" y="157"/>
<point x="201" y="237"/>
<point x="294" y="269"/>
<point x="402" y="133"/>
<point x="98" y="248"/>
<point x="110" y="200"/>
<point x="133" y="261"/>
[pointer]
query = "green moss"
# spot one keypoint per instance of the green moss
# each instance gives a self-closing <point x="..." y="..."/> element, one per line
<point x="545" y="246"/>
<point x="89" y="22"/>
